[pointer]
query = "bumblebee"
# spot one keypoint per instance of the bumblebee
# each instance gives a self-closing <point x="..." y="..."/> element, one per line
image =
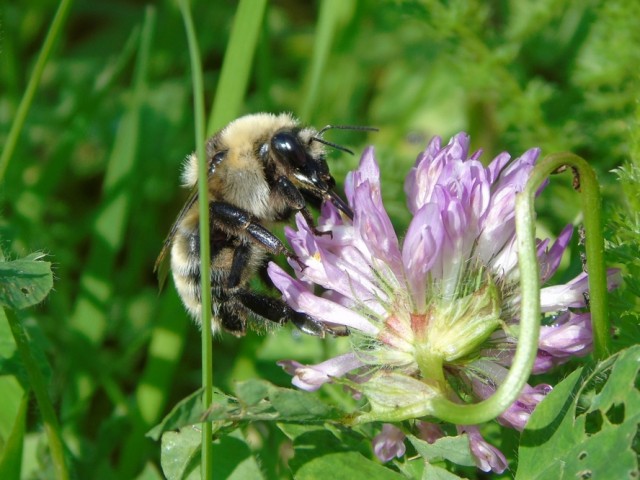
<point x="262" y="168"/>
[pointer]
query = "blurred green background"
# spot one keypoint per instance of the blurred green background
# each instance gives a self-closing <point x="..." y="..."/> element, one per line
<point x="94" y="179"/>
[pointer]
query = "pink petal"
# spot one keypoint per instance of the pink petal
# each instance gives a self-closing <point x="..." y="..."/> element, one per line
<point x="312" y="377"/>
<point x="298" y="296"/>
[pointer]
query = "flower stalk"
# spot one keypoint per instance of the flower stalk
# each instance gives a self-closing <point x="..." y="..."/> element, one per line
<point x="586" y="183"/>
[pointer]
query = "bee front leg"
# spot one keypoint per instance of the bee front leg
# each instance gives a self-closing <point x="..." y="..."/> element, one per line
<point x="277" y="311"/>
<point x="236" y="221"/>
<point x="295" y="201"/>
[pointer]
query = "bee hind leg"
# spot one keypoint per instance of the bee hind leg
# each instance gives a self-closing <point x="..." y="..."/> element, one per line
<point x="277" y="311"/>
<point x="232" y="317"/>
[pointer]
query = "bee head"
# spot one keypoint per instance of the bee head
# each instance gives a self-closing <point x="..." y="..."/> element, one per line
<point x="310" y="171"/>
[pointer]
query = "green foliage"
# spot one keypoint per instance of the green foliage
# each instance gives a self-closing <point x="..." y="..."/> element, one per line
<point x="93" y="180"/>
<point x="566" y="435"/>
<point x="11" y="458"/>
<point x="25" y="282"/>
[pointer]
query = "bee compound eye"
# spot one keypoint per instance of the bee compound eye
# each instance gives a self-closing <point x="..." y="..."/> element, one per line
<point x="288" y="147"/>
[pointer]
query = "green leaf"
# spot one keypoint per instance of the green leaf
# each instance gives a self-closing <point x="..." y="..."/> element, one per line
<point x="252" y="391"/>
<point x="10" y="404"/>
<point x="294" y="405"/>
<point x="150" y="472"/>
<point x="233" y="459"/>
<point x="11" y="454"/>
<point x="187" y="411"/>
<point x="349" y="465"/>
<point x="325" y="440"/>
<point x="180" y="454"/>
<point x="25" y="282"/>
<point x="433" y="472"/>
<point x="455" y="449"/>
<point x="278" y="404"/>
<point x="586" y="418"/>
<point x="294" y="430"/>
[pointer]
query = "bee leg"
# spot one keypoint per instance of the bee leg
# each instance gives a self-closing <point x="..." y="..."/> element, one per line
<point x="296" y="201"/>
<point x="312" y="225"/>
<point x="236" y="221"/>
<point x="277" y="311"/>
<point x="233" y="318"/>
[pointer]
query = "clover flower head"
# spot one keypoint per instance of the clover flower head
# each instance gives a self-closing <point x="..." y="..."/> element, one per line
<point x="436" y="314"/>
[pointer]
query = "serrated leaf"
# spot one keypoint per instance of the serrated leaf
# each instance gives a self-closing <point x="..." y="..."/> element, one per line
<point x="455" y="449"/>
<point x="349" y="465"/>
<point x="25" y="282"/>
<point x="587" y="416"/>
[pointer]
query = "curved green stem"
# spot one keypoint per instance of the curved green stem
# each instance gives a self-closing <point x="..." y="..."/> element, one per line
<point x="527" y="346"/>
<point x="586" y="183"/>
<point x="206" y="471"/>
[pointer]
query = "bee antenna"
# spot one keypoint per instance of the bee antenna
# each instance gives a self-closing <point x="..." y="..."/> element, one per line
<point x="331" y="144"/>
<point x="340" y="127"/>
<point x="347" y="127"/>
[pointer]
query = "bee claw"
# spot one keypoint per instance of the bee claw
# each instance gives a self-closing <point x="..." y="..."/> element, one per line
<point x="295" y="258"/>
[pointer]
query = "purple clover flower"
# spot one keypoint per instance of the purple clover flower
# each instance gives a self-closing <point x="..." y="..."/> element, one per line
<point x="389" y="443"/>
<point x="441" y="305"/>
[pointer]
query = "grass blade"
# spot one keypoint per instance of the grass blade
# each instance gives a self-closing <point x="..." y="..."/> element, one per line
<point x="32" y="86"/>
<point x="206" y="464"/>
<point x="236" y="68"/>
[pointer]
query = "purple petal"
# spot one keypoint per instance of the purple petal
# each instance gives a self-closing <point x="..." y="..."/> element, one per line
<point x="429" y="432"/>
<point x="488" y="458"/>
<point x="485" y="382"/>
<point x="298" y="296"/>
<point x="335" y="263"/>
<point x="516" y="174"/>
<point x="498" y="225"/>
<point x="495" y="167"/>
<point x="367" y="172"/>
<point x="389" y="443"/>
<point x="560" y="297"/>
<point x="371" y="221"/>
<point x="312" y="377"/>
<point x="550" y="259"/>
<point x="517" y="415"/>
<point x="571" y="336"/>
<point x="421" y="248"/>
<point x="423" y="176"/>
<point x="572" y="294"/>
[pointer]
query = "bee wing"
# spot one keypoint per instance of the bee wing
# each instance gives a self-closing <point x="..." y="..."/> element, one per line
<point x="162" y="264"/>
